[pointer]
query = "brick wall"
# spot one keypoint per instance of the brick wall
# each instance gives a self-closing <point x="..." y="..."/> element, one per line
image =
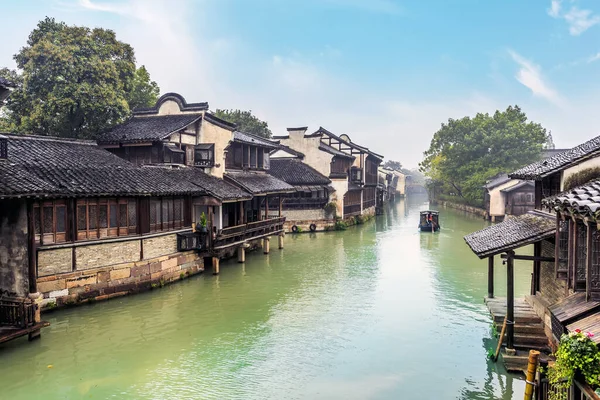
<point x="14" y="262"/>
<point x="160" y="246"/>
<point x="551" y="288"/>
<point x="304" y="215"/>
<point x="55" y="261"/>
<point x="99" y="255"/>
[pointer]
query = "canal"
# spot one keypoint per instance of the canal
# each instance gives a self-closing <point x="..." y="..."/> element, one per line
<point x="377" y="312"/>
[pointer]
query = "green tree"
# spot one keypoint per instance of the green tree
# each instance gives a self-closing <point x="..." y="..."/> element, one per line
<point x="246" y="122"/>
<point x="466" y="152"/>
<point x="144" y="91"/>
<point x="395" y="165"/>
<point x="76" y="81"/>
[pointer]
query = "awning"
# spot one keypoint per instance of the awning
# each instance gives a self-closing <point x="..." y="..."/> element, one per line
<point x="513" y="233"/>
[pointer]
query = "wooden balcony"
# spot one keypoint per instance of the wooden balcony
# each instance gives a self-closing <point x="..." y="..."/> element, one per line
<point x="235" y="235"/>
<point x="17" y="318"/>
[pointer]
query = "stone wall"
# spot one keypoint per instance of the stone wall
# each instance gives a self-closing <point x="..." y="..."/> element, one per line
<point x="117" y="280"/>
<point x="99" y="255"/>
<point x="369" y="211"/>
<point x="321" y="224"/>
<point x="14" y="262"/>
<point x="304" y="215"/>
<point x="55" y="261"/>
<point x="463" y="207"/>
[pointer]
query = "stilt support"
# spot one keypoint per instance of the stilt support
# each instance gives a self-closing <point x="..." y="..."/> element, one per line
<point x="266" y="243"/>
<point x="241" y="253"/>
<point x="280" y="241"/>
<point x="215" y="265"/>
<point x="530" y="376"/>
<point x="491" y="277"/>
<point x="510" y="299"/>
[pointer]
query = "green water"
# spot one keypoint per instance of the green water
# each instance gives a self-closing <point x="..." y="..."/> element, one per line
<point x="377" y="312"/>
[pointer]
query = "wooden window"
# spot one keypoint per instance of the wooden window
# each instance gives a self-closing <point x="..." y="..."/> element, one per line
<point x="261" y="159"/>
<point x="246" y="151"/>
<point x="266" y="160"/>
<point x="105" y="218"/>
<point x="253" y="157"/>
<point x="50" y="221"/>
<point x="166" y="213"/>
<point x="204" y="155"/>
<point x="595" y="272"/>
<point x="580" y="256"/>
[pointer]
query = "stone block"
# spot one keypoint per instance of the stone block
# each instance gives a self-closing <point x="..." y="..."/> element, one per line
<point x="103" y="276"/>
<point x="82" y="281"/>
<point x="120" y="273"/>
<point x="51" y="286"/>
<point x="156" y="276"/>
<point x="55" y="261"/>
<point x="141" y="270"/>
<point x="58" y="293"/>
<point x="155" y="267"/>
<point x="168" y="264"/>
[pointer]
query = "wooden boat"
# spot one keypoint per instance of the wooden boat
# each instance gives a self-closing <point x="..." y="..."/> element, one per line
<point x="429" y="221"/>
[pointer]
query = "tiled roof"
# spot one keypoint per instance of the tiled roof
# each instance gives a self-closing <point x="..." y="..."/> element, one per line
<point x="349" y="143"/>
<point x="248" y="138"/>
<point x="520" y="185"/>
<point x="6" y="83"/>
<point x="45" y="166"/>
<point x="295" y="172"/>
<point x="148" y="129"/>
<point x="497" y="181"/>
<point x="558" y="162"/>
<point x="512" y="233"/>
<point x="259" y="182"/>
<point x="581" y="200"/>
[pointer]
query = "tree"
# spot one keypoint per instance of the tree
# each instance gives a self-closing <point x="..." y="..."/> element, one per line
<point x="391" y="164"/>
<point x="76" y="81"/>
<point x="246" y="122"/>
<point x="144" y="91"/>
<point x="466" y="152"/>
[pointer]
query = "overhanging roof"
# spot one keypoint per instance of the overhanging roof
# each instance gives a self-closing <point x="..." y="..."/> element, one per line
<point x="511" y="234"/>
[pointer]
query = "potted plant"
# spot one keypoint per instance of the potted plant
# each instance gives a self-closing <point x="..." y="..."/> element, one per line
<point x="577" y="355"/>
<point x="203" y="223"/>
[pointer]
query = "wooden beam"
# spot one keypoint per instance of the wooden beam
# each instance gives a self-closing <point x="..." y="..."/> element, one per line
<point x="528" y="258"/>
<point x="266" y="207"/>
<point x="570" y="247"/>
<point x="510" y="299"/>
<point x="280" y="205"/>
<point x="537" y="264"/>
<point x="575" y="258"/>
<point x="557" y="245"/>
<point x="491" y="277"/>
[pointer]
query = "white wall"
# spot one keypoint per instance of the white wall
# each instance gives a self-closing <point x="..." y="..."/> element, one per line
<point x="498" y="198"/>
<point x="210" y="133"/>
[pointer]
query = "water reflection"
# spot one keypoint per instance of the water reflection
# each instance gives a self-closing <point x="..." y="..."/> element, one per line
<point x="380" y="311"/>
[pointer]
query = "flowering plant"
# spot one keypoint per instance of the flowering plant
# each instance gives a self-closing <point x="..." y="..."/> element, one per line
<point x="576" y="352"/>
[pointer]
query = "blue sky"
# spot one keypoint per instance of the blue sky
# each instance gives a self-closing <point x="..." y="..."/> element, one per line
<point x="385" y="72"/>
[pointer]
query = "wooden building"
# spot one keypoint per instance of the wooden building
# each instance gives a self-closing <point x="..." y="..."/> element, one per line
<point x="562" y="232"/>
<point x="505" y="196"/>
<point x="351" y="168"/>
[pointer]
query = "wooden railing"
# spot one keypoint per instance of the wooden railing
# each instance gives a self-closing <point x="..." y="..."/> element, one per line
<point x="579" y="390"/>
<point x="248" y="231"/>
<point x="191" y="241"/>
<point x="17" y="312"/>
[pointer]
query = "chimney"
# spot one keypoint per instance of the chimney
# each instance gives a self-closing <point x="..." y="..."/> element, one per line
<point x="3" y="147"/>
<point x="297" y="133"/>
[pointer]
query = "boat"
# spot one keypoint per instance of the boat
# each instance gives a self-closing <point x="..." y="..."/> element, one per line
<point x="429" y="221"/>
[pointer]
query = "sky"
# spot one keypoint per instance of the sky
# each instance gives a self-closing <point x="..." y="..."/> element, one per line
<point x="387" y="73"/>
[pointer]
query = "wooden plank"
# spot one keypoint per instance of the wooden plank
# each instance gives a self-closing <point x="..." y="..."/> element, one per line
<point x="11" y="334"/>
<point x="573" y="306"/>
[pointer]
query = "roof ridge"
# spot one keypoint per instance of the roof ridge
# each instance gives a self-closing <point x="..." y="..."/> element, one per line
<point x="50" y="139"/>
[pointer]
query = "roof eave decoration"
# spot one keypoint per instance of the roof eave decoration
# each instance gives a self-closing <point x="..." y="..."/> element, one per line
<point x="323" y="131"/>
<point x="213" y="119"/>
<point x="176" y="97"/>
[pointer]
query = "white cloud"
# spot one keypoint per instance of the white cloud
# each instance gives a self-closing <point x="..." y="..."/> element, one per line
<point x="578" y="20"/>
<point x="594" y="58"/>
<point x="530" y="76"/>
<point x="555" y="7"/>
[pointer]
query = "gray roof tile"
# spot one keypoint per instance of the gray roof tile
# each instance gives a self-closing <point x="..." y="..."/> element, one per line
<point x="259" y="182"/>
<point x="295" y="172"/>
<point x="148" y="129"/>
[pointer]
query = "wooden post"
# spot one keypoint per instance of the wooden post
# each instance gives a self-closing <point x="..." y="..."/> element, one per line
<point x="266" y="245"/>
<point x="266" y="208"/>
<point x="32" y="247"/>
<point x="588" y="263"/>
<point x="557" y="244"/>
<point x="242" y="217"/>
<point x="491" y="277"/>
<point x="280" y="206"/>
<point x="241" y="254"/>
<point x="537" y="268"/>
<point x="530" y="376"/>
<point x="281" y="241"/>
<point x="572" y="253"/>
<point x="215" y="265"/>
<point x="510" y="299"/>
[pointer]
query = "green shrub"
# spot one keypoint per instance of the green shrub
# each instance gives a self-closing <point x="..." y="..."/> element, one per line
<point x="340" y="226"/>
<point x="582" y="177"/>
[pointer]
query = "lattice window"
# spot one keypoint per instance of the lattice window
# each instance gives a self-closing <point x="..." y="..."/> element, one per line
<point x="132" y="213"/>
<point x="50" y="221"/>
<point x="580" y="265"/>
<point x="562" y="264"/>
